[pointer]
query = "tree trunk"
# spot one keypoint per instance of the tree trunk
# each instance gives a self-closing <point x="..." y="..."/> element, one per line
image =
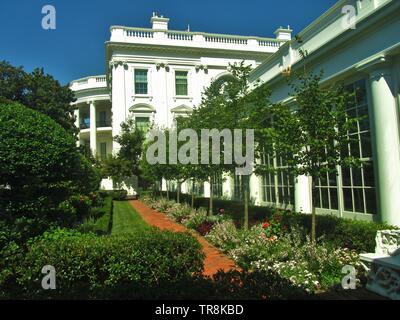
<point x="178" y="192"/>
<point x="211" y="197"/>
<point x="313" y="213"/>
<point x="246" y="202"/>
<point x="167" y="183"/>
<point x="192" y="193"/>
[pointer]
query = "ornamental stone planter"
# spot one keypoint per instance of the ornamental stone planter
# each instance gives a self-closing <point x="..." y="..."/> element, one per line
<point x="383" y="266"/>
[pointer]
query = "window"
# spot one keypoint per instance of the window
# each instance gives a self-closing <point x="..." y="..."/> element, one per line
<point x="285" y="183"/>
<point x="277" y="187"/>
<point x="172" y="186"/>
<point x="238" y="187"/>
<point x="85" y="121"/>
<point x="197" y="188"/>
<point x="140" y="81"/>
<point x="142" y="123"/>
<point x="359" y="183"/>
<point x="217" y="186"/>
<point x="327" y="193"/>
<point x="181" y="83"/>
<point x="103" y="150"/>
<point x="102" y="119"/>
<point x="268" y="181"/>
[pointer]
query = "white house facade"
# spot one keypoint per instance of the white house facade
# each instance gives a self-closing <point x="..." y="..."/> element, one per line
<point x="157" y="74"/>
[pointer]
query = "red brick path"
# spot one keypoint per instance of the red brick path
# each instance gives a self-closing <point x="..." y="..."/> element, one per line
<point x="214" y="259"/>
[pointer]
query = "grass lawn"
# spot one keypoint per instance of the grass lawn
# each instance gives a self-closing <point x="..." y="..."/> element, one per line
<point x="126" y="219"/>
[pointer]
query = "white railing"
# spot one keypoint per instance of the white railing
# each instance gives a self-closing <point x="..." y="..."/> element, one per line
<point x="180" y="36"/>
<point x="139" y="33"/>
<point x="89" y="82"/>
<point x="201" y="39"/>
<point x="101" y="79"/>
<point x="224" y="39"/>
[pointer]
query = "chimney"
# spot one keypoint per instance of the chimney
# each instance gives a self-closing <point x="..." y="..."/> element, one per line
<point x="159" y="23"/>
<point x="284" y="34"/>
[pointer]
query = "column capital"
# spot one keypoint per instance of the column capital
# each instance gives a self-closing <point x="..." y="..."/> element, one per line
<point x="376" y="67"/>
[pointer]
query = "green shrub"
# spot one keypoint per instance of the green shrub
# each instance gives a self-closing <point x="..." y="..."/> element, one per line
<point x="346" y="233"/>
<point x="42" y="168"/>
<point x="100" y="220"/>
<point x="118" y="195"/>
<point x="89" y="266"/>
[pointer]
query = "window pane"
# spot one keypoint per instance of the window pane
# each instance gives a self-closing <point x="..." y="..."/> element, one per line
<point x="142" y="123"/>
<point x="366" y="145"/>
<point x="181" y="83"/>
<point x="334" y="199"/>
<point x="332" y="179"/>
<point x="370" y="199"/>
<point x="357" y="177"/>
<point x="346" y="176"/>
<point x="325" y="198"/>
<point x="358" y="200"/>
<point x="369" y="179"/>
<point x="318" y="198"/>
<point x="140" y="81"/>
<point x="348" y="200"/>
<point x="361" y="92"/>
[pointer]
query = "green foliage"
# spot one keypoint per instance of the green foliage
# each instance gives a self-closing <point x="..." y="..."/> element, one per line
<point x="38" y="91"/>
<point x="40" y="169"/>
<point x="115" y="194"/>
<point x="125" y="164"/>
<point x="100" y="220"/>
<point x="88" y="266"/>
<point x="345" y="233"/>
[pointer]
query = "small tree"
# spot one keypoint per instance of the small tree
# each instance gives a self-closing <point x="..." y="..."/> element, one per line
<point x="126" y="163"/>
<point x="312" y="135"/>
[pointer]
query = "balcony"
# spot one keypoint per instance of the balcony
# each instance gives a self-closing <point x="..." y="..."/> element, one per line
<point x="94" y="82"/>
<point x="194" y="39"/>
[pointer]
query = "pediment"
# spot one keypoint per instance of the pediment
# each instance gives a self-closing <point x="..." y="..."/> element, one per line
<point x="182" y="109"/>
<point x="142" y="107"/>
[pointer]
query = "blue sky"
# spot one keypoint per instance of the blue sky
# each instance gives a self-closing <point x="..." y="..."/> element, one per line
<point x="76" y="48"/>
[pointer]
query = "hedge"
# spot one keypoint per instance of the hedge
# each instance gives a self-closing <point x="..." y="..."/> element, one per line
<point x="88" y="266"/>
<point x="115" y="194"/>
<point x="101" y="220"/>
<point x="347" y="233"/>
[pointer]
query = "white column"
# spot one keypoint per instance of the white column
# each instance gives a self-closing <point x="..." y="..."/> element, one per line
<point x="93" y="128"/>
<point x="207" y="189"/>
<point x="387" y="147"/>
<point x="119" y="95"/>
<point x="303" y="195"/>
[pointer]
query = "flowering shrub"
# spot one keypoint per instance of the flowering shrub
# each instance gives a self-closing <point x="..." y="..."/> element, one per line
<point x="178" y="212"/>
<point x="195" y="219"/>
<point x="273" y="228"/>
<point x="224" y="235"/>
<point x="306" y="265"/>
<point x="161" y="205"/>
<point x="204" y="228"/>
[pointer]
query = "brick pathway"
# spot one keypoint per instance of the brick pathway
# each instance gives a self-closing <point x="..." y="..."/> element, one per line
<point x="214" y="260"/>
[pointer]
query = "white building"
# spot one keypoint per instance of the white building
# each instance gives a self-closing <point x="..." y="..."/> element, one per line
<point x="157" y="74"/>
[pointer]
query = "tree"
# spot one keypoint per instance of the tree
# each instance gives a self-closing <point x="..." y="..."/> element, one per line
<point x="228" y="103"/>
<point x="40" y="169"/>
<point x="39" y="91"/>
<point x="311" y="135"/>
<point x="126" y="163"/>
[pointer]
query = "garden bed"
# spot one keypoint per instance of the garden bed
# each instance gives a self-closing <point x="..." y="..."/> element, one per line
<point x="280" y="244"/>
